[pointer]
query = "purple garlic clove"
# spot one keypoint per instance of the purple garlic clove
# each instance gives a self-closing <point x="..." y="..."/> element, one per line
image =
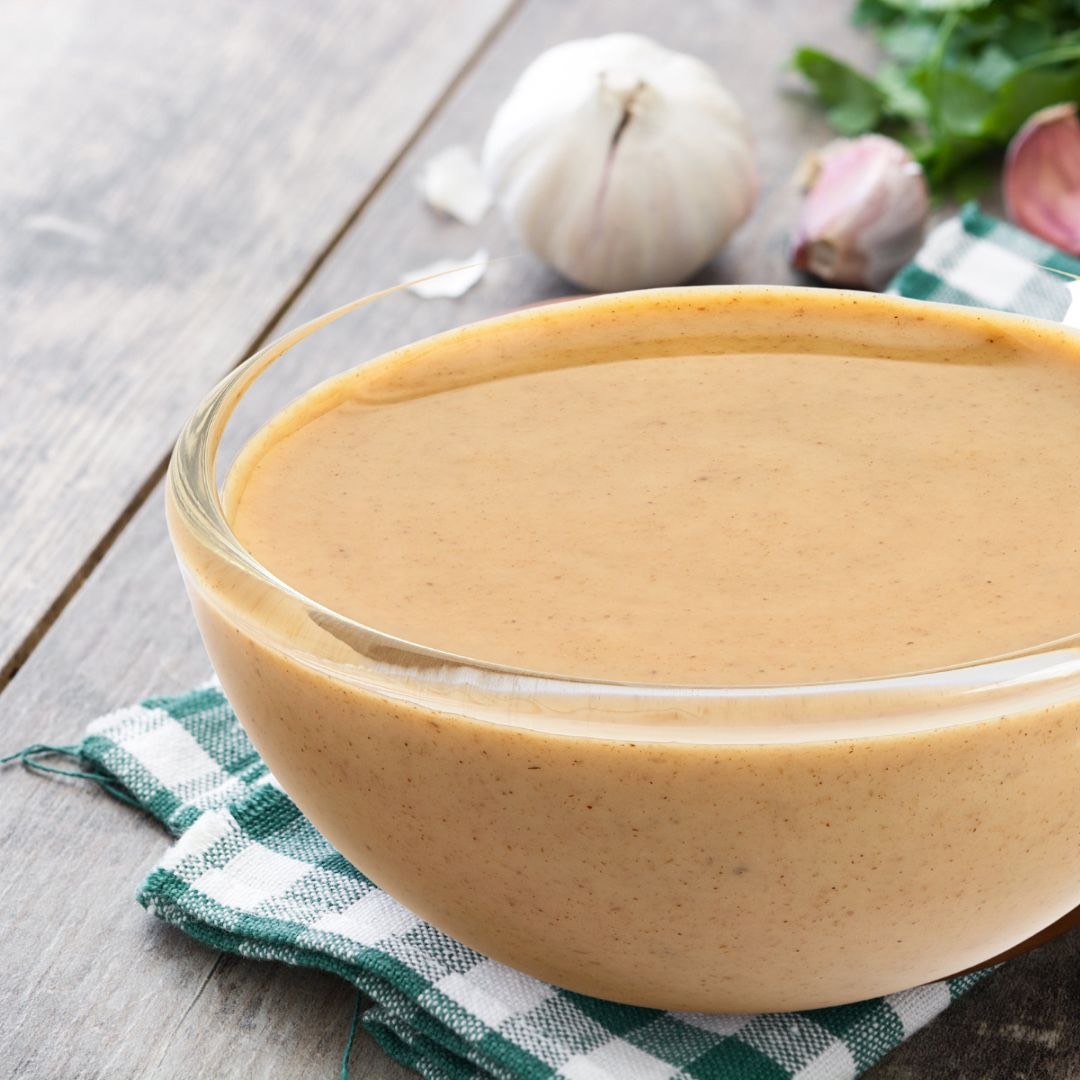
<point x="1042" y="176"/>
<point x="865" y="210"/>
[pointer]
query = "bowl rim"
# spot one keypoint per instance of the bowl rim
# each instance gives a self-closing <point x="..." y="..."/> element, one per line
<point x="192" y="494"/>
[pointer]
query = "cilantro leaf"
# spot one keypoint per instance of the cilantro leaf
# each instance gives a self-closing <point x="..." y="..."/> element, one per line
<point x="853" y="101"/>
<point x="992" y="67"/>
<point x="908" y="42"/>
<point x="1028" y="91"/>
<point x="961" y="76"/>
<point x="937" y="7"/>
<point x="902" y="97"/>
<point x="873" y="12"/>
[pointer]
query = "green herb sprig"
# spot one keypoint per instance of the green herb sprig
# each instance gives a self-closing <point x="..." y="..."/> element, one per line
<point x="959" y="78"/>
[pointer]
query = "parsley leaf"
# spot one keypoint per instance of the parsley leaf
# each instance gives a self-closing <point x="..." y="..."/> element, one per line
<point x="960" y="78"/>
<point x="854" y="102"/>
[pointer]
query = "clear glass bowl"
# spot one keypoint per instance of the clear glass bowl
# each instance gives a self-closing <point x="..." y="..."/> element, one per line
<point x="706" y="848"/>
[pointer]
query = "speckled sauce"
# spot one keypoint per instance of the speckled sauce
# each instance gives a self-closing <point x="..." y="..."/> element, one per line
<point x="733" y="519"/>
<point x="655" y="501"/>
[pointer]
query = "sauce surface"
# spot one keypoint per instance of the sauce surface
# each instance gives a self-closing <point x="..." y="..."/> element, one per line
<point x="703" y="519"/>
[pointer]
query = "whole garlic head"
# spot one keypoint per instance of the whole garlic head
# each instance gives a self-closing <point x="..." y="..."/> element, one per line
<point x="620" y="162"/>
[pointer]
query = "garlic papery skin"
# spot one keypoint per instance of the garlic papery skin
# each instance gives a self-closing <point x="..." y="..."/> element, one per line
<point x="452" y="183"/>
<point x="864" y="214"/>
<point x="1041" y="182"/>
<point x="623" y="164"/>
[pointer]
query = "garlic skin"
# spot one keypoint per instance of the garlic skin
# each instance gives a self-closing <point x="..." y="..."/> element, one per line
<point x="452" y="183"/>
<point x="1041" y="181"/>
<point x="623" y="164"/>
<point x="446" y="279"/>
<point x="864" y="214"/>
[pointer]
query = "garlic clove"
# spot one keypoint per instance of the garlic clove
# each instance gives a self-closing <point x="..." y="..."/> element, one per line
<point x="453" y="182"/>
<point x="620" y="162"/>
<point x="446" y="278"/>
<point x="1041" y="182"/>
<point x="864" y="214"/>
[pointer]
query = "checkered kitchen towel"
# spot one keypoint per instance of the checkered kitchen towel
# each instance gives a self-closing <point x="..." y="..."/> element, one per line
<point x="975" y="259"/>
<point x="250" y="875"/>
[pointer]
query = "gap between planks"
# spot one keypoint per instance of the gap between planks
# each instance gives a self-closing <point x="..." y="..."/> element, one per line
<point x="219" y="959"/>
<point x="38" y="631"/>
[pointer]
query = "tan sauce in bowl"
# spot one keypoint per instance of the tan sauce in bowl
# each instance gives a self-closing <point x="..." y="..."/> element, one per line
<point x="731" y="519"/>
<point x="850" y="486"/>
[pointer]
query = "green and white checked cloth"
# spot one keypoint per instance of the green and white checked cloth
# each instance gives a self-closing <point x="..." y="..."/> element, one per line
<point x="250" y="875"/>
<point x="976" y="260"/>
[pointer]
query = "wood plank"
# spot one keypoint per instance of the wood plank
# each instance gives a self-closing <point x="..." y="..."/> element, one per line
<point x="168" y="174"/>
<point x="128" y="633"/>
<point x="254" y="1018"/>
<point x="748" y="43"/>
<point x="1023" y="1022"/>
<point x="92" y="985"/>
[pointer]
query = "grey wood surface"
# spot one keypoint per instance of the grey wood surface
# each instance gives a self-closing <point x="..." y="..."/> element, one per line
<point x="90" y="985"/>
<point x="168" y="175"/>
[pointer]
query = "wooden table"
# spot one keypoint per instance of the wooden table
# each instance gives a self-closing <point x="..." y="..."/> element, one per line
<point x="179" y="183"/>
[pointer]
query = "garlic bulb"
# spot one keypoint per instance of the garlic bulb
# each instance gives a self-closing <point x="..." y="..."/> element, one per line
<point x="1042" y="176"/>
<point x="865" y="210"/>
<point x="620" y="162"/>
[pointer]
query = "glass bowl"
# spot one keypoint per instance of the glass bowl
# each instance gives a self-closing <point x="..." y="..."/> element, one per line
<point x="704" y="848"/>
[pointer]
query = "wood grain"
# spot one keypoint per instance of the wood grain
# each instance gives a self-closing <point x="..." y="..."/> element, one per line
<point x="133" y="998"/>
<point x="168" y="175"/>
<point x="749" y="44"/>
<point x="1022" y="1024"/>
<point x="93" y="986"/>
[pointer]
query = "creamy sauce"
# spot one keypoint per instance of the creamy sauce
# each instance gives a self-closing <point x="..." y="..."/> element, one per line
<point x="731" y="519"/>
<point x="860" y="487"/>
